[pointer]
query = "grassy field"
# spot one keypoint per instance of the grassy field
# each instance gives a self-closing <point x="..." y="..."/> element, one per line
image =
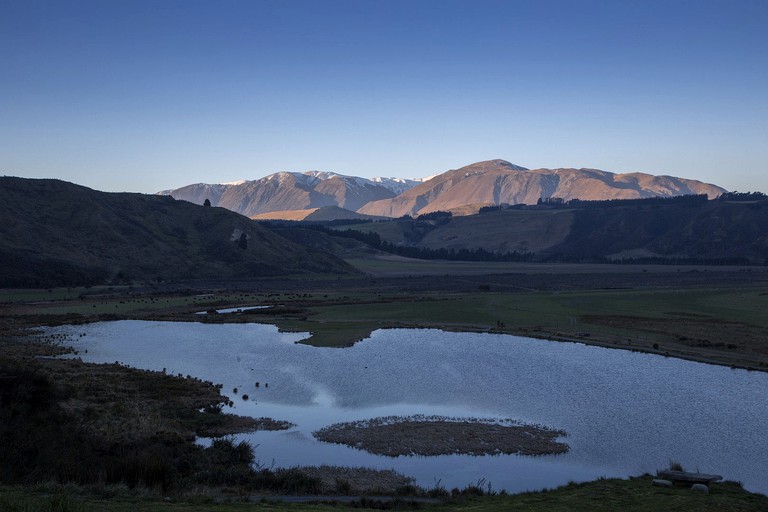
<point x="533" y="230"/>
<point x="684" y="315"/>
<point x="724" y="324"/>
<point x="634" y="495"/>
<point x="385" y="265"/>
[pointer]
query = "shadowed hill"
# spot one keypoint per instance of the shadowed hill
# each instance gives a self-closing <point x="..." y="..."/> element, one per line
<point x="56" y="233"/>
<point x="709" y="230"/>
<point x="657" y="230"/>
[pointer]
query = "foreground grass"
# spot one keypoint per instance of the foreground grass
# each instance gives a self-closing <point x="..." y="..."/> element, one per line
<point x="635" y="494"/>
<point x="69" y="499"/>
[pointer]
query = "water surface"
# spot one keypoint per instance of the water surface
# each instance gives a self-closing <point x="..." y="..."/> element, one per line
<point x="626" y="413"/>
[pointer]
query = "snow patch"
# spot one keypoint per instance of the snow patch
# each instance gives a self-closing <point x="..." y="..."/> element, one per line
<point x="398" y="185"/>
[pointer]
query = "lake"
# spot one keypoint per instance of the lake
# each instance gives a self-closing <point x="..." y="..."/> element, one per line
<point x="625" y="413"/>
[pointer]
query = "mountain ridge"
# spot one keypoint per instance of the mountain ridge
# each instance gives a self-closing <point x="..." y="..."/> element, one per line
<point x="490" y="182"/>
<point x="496" y="182"/>
<point x="287" y="190"/>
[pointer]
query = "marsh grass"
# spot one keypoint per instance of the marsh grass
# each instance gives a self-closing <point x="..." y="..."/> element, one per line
<point x="439" y="435"/>
<point x="54" y="503"/>
<point x="69" y="422"/>
<point x="675" y="466"/>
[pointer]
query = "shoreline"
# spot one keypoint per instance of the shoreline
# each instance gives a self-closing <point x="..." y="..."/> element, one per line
<point x="300" y="468"/>
<point x="683" y="352"/>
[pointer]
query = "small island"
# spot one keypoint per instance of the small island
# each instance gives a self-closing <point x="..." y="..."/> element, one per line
<point x="439" y="435"/>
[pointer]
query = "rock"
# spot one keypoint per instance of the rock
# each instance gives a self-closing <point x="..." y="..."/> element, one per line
<point x="658" y="482"/>
<point x="700" y="488"/>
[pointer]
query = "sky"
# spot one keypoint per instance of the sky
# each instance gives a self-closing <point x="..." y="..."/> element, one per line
<point x="145" y="95"/>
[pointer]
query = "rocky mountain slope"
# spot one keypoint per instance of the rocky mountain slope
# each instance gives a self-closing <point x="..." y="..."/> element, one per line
<point x="285" y="191"/>
<point x="499" y="182"/>
<point x="462" y="190"/>
<point x="55" y="233"/>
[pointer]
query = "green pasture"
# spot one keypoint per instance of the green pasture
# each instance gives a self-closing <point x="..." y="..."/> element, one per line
<point x="341" y="318"/>
<point x="562" y="311"/>
<point x="553" y="308"/>
<point x="391" y="266"/>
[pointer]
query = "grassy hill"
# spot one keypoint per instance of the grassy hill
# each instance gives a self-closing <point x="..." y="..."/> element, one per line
<point x="708" y="230"/>
<point x="54" y="233"/>
<point x="686" y="228"/>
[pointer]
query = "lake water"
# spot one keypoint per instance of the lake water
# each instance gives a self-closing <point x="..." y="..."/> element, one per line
<point x="625" y="413"/>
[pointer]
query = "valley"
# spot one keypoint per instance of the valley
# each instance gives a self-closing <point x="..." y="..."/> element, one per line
<point x="383" y="255"/>
<point x="337" y="288"/>
<point x="652" y="304"/>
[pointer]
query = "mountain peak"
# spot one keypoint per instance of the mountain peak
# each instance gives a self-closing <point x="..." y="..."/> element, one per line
<point x="322" y="175"/>
<point x="495" y="164"/>
<point x="487" y="182"/>
<point x="494" y="182"/>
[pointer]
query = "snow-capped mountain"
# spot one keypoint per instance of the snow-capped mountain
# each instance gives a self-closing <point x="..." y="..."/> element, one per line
<point x="496" y="182"/>
<point x="286" y="190"/>
<point x="482" y="183"/>
<point x="399" y="185"/>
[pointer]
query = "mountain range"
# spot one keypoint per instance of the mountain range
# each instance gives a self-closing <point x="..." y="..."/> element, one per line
<point x="54" y="233"/>
<point x="462" y="191"/>
<point x="286" y="191"/>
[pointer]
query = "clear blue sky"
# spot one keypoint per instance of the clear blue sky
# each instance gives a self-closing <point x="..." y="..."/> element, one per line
<point x="131" y="95"/>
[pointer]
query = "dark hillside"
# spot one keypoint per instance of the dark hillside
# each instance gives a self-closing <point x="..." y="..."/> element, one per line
<point x="686" y="229"/>
<point x="54" y="233"/>
<point x="708" y="230"/>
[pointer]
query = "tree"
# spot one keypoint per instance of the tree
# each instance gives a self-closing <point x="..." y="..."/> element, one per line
<point x="207" y="202"/>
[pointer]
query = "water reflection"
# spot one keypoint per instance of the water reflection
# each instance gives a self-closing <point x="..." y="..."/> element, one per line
<point x="626" y="413"/>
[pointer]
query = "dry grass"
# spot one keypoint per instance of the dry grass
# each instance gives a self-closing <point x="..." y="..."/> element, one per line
<point x="435" y="435"/>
